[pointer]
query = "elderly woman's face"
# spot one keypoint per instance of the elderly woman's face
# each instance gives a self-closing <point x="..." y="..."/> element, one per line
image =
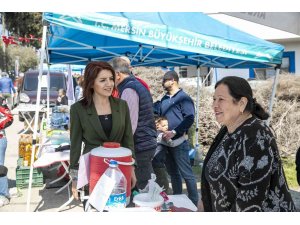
<point x="226" y="110"/>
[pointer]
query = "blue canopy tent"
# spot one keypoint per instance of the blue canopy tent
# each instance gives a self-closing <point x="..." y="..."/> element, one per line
<point x="153" y="39"/>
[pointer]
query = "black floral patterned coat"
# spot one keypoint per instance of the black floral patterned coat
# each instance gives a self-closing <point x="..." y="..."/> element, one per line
<point x="242" y="171"/>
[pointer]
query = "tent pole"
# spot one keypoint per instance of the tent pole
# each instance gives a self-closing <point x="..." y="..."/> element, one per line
<point x="48" y="93"/>
<point x="197" y="115"/>
<point x="273" y="94"/>
<point x="70" y="87"/>
<point x="36" y="115"/>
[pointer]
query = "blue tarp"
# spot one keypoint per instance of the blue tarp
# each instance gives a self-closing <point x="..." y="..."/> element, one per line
<point x="155" y="39"/>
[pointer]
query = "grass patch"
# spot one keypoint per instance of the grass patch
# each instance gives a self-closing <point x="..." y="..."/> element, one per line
<point x="197" y="172"/>
<point x="289" y="168"/>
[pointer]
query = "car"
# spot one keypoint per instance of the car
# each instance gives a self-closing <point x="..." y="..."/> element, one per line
<point x="27" y="92"/>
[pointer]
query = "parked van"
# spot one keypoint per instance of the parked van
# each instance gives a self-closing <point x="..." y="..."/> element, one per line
<point x="27" y="92"/>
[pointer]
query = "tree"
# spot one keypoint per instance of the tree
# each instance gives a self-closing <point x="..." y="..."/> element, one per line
<point x="2" y="64"/>
<point x="24" y="24"/>
<point x="28" y="58"/>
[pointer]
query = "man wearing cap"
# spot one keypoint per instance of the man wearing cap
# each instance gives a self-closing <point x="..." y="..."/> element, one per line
<point x="179" y="109"/>
<point x="140" y="103"/>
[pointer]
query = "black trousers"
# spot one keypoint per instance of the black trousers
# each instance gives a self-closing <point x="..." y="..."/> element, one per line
<point x="144" y="167"/>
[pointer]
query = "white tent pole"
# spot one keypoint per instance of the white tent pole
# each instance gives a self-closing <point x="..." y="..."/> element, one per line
<point x="197" y="113"/>
<point x="70" y="87"/>
<point x="273" y="94"/>
<point x="48" y="93"/>
<point x="36" y="115"/>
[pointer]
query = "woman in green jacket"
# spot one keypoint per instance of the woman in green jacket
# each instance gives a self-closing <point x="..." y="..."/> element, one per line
<point x="98" y="117"/>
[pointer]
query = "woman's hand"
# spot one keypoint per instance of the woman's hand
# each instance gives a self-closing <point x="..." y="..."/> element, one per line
<point x="74" y="190"/>
<point x="133" y="178"/>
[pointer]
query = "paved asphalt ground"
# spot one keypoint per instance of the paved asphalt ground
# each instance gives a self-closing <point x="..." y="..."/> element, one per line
<point x="43" y="199"/>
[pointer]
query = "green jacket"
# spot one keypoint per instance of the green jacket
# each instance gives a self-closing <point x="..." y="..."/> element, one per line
<point x="85" y="127"/>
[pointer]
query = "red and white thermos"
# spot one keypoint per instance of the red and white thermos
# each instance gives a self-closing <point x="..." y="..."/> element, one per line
<point x="100" y="157"/>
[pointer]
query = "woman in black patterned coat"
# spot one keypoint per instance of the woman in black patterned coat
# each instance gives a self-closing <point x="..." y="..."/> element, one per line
<point x="242" y="170"/>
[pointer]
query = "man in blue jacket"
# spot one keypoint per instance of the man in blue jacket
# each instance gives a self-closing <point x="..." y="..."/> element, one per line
<point x="179" y="109"/>
<point x="6" y="86"/>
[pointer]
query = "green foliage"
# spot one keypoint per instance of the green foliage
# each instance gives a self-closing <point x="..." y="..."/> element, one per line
<point x="197" y="171"/>
<point x="192" y="135"/>
<point x="1" y="57"/>
<point x="289" y="168"/>
<point x="22" y="24"/>
<point x="27" y="57"/>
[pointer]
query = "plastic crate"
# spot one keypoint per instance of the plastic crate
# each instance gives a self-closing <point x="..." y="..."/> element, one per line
<point x="22" y="176"/>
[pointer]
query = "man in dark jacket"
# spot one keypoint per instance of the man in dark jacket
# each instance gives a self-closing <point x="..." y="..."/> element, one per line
<point x="179" y="109"/>
<point x="140" y="102"/>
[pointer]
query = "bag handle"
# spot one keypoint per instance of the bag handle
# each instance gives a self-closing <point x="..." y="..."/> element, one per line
<point x="120" y="163"/>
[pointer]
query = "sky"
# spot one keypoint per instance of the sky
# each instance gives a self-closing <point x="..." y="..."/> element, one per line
<point x="255" y="29"/>
<point x="206" y="6"/>
<point x="151" y="5"/>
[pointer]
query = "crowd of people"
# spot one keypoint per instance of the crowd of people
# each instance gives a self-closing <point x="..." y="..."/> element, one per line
<point x="242" y="170"/>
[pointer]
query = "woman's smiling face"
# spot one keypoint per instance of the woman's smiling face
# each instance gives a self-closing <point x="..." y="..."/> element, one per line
<point x="104" y="83"/>
<point x="227" y="111"/>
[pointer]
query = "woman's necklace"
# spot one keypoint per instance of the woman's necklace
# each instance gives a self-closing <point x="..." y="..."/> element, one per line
<point x="104" y="110"/>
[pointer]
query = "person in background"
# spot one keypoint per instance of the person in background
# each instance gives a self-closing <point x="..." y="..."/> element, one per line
<point x="140" y="104"/>
<point x="242" y="170"/>
<point x="159" y="159"/>
<point x="97" y="118"/>
<point x="6" y="119"/>
<point x="62" y="99"/>
<point x="161" y="127"/>
<point x="136" y="77"/>
<point x="78" y="88"/>
<point x="6" y="88"/>
<point x="115" y="91"/>
<point x="179" y="110"/>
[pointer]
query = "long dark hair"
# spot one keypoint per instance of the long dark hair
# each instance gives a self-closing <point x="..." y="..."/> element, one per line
<point x="238" y="88"/>
<point x="90" y="74"/>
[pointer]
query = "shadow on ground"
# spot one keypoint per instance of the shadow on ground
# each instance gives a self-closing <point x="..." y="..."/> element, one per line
<point x="50" y="200"/>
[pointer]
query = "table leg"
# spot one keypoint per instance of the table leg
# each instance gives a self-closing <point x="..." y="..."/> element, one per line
<point x="71" y="197"/>
<point x="58" y="179"/>
<point x="27" y="121"/>
<point x="65" y="204"/>
<point x="63" y="187"/>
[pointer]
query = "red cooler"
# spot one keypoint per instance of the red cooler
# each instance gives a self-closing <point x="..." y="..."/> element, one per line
<point x="100" y="157"/>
